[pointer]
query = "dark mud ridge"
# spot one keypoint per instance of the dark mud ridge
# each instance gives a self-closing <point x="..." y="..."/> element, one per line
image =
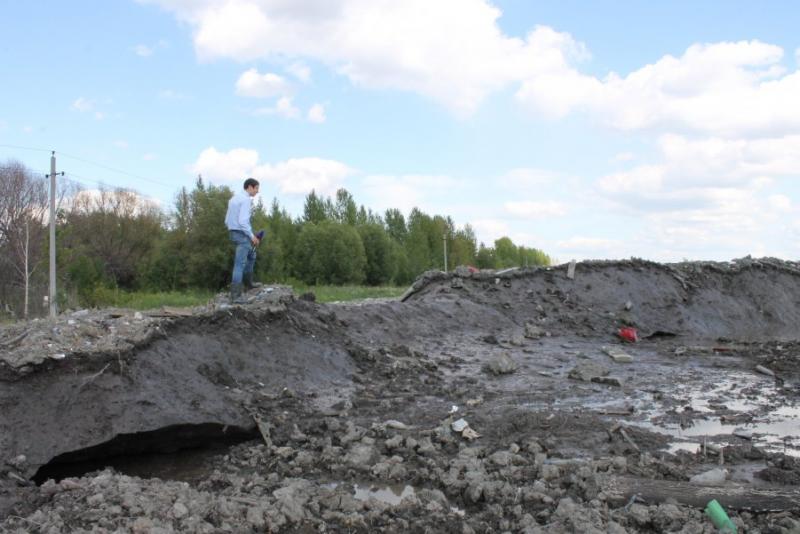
<point x="479" y="402"/>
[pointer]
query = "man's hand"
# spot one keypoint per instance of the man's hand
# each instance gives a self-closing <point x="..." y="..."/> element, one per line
<point x="255" y="241"/>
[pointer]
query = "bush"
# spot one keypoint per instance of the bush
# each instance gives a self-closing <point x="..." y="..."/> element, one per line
<point x="329" y="253"/>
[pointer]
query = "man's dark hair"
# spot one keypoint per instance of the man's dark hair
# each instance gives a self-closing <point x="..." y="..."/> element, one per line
<point x="250" y="182"/>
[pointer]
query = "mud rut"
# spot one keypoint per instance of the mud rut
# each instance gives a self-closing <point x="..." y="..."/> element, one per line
<point x="287" y="415"/>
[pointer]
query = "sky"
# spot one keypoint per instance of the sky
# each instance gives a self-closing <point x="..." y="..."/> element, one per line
<point x="590" y="130"/>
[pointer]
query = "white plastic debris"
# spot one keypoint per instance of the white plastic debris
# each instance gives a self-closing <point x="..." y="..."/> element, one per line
<point x="453" y="409"/>
<point x="459" y="426"/>
<point x="714" y="476"/>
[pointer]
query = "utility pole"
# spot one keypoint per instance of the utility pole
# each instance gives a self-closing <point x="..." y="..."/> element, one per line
<point x="444" y="240"/>
<point x="52" y="176"/>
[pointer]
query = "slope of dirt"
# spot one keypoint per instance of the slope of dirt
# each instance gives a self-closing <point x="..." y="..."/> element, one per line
<point x="481" y="402"/>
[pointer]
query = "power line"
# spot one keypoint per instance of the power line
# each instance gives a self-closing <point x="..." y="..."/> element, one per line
<point x="90" y="162"/>
<point x="112" y="169"/>
<point x="25" y="148"/>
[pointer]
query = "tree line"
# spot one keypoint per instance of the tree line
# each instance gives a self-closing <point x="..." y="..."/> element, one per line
<point x="114" y="238"/>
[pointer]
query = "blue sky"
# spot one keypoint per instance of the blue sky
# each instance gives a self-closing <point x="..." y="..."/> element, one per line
<point x="662" y="130"/>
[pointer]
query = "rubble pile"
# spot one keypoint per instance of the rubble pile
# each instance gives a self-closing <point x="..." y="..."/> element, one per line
<point x="479" y="402"/>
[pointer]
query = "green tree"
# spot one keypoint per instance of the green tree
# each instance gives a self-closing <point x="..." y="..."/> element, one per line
<point x="314" y="210"/>
<point x="485" y="258"/>
<point x="345" y="210"/>
<point x="506" y="253"/>
<point x="329" y="253"/>
<point x="380" y="266"/>
<point x="396" y="225"/>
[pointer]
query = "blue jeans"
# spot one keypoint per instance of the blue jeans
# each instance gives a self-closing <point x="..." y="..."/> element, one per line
<point x="245" y="258"/>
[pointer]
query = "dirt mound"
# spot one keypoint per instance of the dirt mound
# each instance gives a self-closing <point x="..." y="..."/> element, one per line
<point x="747" y="300"/>
<point x="480" y="402"/>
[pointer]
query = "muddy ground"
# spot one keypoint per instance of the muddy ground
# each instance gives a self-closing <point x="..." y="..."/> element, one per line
<point x="480" y="402"/>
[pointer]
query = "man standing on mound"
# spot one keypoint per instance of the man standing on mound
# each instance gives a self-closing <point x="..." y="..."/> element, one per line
<point x="241" y="233"/>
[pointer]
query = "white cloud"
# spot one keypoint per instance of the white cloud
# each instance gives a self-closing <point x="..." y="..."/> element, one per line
<point x="282" y="108"/>
<point x="583" y="247"/>
<point x="82" y="104"/>
<point x="709" y="163"/>
<point x="316" y="113"/>
<point x="369" y="41"/>
<point x="406" y="191"/>
<point x="725" y="89"/>
<point x="85" y="105"/>
<point x="121" y="144"/>
<point x="234" y="165"/>
<point x="27" y="129"/>
<point x="300" y="71"/>
<point x="149" y="156"/>
<point x="458" y="55"/>
<point x="488" y="230"/>
<point x="536" y="210"/>
<point x="710" y="196"/>
<point x="780" y="202"/>
<point x="143" y="50"/>
<point x="267" y="85"/>
<point x="301" y="175"/>
<point x="296" y="176"/>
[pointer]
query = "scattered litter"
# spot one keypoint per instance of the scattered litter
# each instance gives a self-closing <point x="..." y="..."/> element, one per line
<point x="719" y="517"/>
<point x="59" y="356"/>
<point x="715" y="476"/>
<point x="462" y="427"/>
<point x="459" y="425"/>
<point x="764" y="371"/>
<point x="453" y="409"/>
<point x="469" y="434"/>
<point x="397" y="425"/>
<point x="629" y="334"/>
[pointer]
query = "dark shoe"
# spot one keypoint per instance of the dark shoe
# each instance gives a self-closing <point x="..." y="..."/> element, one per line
<point x="236" y="294"/>
<point x="247" y="280"/>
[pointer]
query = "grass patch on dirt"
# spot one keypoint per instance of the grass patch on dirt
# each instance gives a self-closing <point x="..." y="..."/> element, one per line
<point x="142" y="300"/>
<point x="327" y="293"/>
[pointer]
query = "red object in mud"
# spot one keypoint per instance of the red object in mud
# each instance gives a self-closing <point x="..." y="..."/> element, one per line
<point x="472" y="269"/>
<point x="628" y="334"/>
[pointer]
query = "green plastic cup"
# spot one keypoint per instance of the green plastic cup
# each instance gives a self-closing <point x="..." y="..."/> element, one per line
<point x="716" y="513"/>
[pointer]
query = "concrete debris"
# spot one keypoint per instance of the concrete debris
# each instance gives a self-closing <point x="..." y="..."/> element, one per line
<point x="502" y="364"/>
<point x="618" y="355"/>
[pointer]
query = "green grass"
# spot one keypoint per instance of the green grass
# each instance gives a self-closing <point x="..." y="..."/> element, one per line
<point x="326" y="293"/>
<point x="141" y="300"/>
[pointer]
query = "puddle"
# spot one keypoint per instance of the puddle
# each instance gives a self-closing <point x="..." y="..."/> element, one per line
<point x="685" y="446"/>
<point x="780" y="432"/>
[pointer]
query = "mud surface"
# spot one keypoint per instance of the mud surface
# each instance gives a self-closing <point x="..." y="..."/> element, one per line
<point x="482" y="402"/>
